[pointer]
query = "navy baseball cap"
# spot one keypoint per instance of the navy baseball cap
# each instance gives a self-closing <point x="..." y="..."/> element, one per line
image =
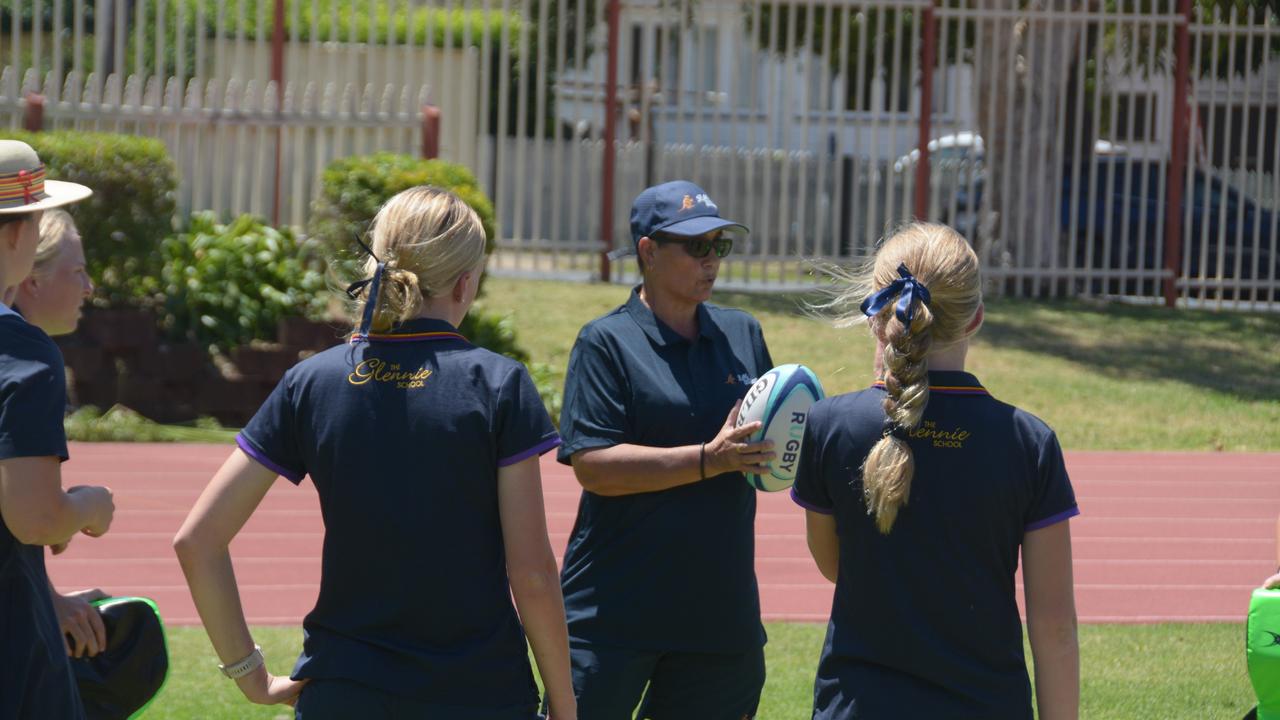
<point x="677" y="208"/>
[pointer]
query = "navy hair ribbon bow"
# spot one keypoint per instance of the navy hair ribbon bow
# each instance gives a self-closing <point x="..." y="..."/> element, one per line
<point x="906" y="288"/>
<point x="374" y="283"/>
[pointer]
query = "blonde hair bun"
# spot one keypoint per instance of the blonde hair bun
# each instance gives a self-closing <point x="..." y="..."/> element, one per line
<point x="428" y="237"/>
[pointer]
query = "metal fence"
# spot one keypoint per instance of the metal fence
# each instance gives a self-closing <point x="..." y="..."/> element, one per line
<point x="1124" y="147"/>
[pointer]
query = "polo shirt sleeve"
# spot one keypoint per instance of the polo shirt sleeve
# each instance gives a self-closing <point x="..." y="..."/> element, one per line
<point x="810" y="489"/>
<point x="524" y="428"/>
<point x="594" y="413"/>
<point x="32" y="402"/>
<point x="1053" y="499"/>
<point x="271" y="437"/>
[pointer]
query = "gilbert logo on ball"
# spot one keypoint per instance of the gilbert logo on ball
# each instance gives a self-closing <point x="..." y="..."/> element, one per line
<point x="780" y="400"/>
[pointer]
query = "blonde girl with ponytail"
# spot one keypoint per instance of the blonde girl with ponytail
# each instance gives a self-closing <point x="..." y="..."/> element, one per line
<point x="424" y="451"/>
<point x="921" y="492"/>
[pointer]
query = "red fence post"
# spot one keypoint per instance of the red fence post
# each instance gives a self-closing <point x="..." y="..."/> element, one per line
<point x="928" y="51"/>
<point x="430" y="132"/>
<point x="277" y="76"/>
<point x="1178" y="155"/>
<point x="612" y="12"/>
<point x="33" y="113"/>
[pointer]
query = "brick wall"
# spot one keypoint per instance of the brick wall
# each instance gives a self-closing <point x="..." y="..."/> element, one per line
<point x="117" y="357"/>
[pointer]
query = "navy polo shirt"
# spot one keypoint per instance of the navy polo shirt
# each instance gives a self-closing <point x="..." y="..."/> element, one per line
<point x="37" y="681"/>
<point x="672" y="569"/>
<point x="403" y="436"/>
<point x="925" y="618"/>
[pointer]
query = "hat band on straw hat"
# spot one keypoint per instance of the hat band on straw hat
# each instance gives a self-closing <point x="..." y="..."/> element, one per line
<point x="25" y="187"/>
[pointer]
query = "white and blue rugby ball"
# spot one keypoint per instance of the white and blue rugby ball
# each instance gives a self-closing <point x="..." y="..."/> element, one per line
<point x="780" y="400"/>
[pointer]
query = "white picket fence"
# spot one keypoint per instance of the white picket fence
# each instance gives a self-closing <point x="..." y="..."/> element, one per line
<point x="223" y="137"/>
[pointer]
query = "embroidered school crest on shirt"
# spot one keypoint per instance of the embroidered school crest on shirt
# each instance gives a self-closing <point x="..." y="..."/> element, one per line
<point x="379" y="371"/>
<point x="941" y="438"/>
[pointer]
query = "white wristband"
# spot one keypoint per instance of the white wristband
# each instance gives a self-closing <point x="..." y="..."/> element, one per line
<point x="244" y="667"/>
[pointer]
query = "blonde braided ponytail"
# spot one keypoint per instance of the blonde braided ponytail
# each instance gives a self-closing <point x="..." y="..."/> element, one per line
<point x="921" y="292"/>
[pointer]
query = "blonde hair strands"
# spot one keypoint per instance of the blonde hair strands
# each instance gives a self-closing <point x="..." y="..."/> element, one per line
<point x="944" y="263"/>
<point x="428" y="237"/>
<point x="56" y="229"/>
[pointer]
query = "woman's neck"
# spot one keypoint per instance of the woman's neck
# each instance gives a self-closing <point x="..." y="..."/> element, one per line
<point x="949" y="358"/>
<point x="679" y="316"/>
<point x="442" y="308"/>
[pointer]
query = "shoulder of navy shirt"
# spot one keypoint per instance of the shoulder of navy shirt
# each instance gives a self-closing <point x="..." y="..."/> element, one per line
<point x="403" y="436"/>
<point x="947" y="632"/>
<point x="632" y="559"/>
<point x="613" y="362"/>
<point x="33" y="399"/>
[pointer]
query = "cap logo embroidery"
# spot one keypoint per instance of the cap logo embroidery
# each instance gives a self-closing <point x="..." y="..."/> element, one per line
<point x="702" y="199"/>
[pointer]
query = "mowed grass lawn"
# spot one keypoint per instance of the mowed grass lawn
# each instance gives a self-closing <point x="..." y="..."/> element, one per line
<point x="1106" y="376"/>
<point x="1169" y="672"/>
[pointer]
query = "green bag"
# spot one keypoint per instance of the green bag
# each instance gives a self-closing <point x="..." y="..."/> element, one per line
<point x="122" y="680"/>
<point x="1262" y="651"/>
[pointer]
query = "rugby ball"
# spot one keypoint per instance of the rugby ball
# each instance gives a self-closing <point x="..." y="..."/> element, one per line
<point x="780" y="400"/>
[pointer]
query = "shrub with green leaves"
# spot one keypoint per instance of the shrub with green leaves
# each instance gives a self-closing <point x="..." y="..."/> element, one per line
<point x="225" y="285"/>
<point x="131" y="209"/>
<point x="352" y="190"/>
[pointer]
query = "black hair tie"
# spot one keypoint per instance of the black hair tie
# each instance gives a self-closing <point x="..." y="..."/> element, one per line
<point x="374" y="283"/>
<point x="893" y="429"/>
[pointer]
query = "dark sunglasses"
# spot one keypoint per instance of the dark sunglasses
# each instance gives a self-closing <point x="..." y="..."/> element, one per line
<point x="700" y="247"/>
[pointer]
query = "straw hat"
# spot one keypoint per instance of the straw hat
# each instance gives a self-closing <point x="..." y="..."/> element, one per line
<point x="23" y="187"/>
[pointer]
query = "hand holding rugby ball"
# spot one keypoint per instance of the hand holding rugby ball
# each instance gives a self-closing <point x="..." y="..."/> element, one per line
<point x="780" y="401"/>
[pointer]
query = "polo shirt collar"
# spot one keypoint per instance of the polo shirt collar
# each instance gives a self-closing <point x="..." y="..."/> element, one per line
<point x="952" y="382"/>
<point x="659" y="332"/>
<point x="417" y="329"/>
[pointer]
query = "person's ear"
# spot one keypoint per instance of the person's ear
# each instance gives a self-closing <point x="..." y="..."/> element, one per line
<point x="460" y="286"/>
<point x="9" y="233"/>
<point x="30" y="286"/>
<point x="976" y="322"/>
<point x="646" y="248"/>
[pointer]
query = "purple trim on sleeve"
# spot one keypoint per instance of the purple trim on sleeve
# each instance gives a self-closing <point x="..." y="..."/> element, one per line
<point x="267" y="462"/>
<point x="808" y="505"/>
<point x="545" y="445"/>
<point x="1052" y="519"/>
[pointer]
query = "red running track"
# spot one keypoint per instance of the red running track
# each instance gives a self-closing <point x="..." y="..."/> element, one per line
<point x="1162" y="536"/>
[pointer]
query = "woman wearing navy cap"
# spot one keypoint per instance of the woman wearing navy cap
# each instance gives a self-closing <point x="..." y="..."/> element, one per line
<point x="659" y="578"/>
<point x="920" y="492"/>
<point x="37" y="681"/>
<point x="424" y="451"/>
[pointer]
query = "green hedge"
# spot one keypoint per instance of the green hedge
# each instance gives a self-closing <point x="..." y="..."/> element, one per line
<point x="352" y="190"/>
<point x="131" y="209"/>
<point x="227" y="285"/>
<point x="438" y="27"/>
<point x="364" y="21"/>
